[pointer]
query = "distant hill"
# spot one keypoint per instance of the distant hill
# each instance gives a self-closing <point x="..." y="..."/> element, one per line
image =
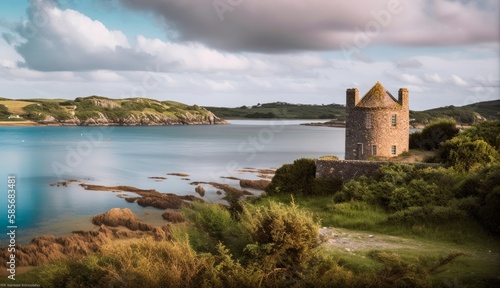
<point x="97" y="110"/>
<point x="281" y="110"/>
<point x="468" y="114"/>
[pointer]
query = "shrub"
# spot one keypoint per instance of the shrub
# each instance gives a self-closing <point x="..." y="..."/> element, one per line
<point x="488" y="131"/>
<point x="4" y="112"/>
<point x="427" y="214"/>
<point x="299" y="178"/>
<point x="216" y="222"/>
<point x="283" y="236"/>
<point x="433" y="134"/>
<point x="294" y="178"/>
<point x="396" y="187"/>
<point x="465" y="154"/>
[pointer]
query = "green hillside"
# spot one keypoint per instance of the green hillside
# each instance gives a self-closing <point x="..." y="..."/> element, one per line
<point x="468" y="114"/>
<point x="97" y="110"/>
<point x="465" y="115"/>
<point x="282" y="110"/>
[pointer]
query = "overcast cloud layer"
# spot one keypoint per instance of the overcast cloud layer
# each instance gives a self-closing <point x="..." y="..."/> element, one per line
<point x="284" y="25"/>
<point x="235" y="52"/>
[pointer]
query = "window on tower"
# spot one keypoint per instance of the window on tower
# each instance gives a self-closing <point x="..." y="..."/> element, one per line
<point x="368" y="121"/>
<point x="374" y="150"/>
<point x="393" y="120"/>
<point x="393" y="150"/>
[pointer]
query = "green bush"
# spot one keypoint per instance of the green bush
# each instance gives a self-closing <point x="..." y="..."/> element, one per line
<point x="40" y="110"/>
<point x="395" y="187"/>
<point x="488" y="131"/>
<point x="465" y="154"/>
<point x="299" y="178"/>
<point x="283" y="236"/>
<point x="427" y="214"/>
<point x="433" y="134"/>
<point x="4" y="112"/>
<point x="217" y="223"/>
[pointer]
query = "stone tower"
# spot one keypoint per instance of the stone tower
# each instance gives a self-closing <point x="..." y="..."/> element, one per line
<point x="377" y="124"/>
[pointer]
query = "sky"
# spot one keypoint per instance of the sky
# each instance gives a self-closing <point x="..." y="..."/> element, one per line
<point x="243" y="52"/>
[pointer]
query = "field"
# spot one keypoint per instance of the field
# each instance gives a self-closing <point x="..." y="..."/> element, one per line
<point x="16" y="106"/>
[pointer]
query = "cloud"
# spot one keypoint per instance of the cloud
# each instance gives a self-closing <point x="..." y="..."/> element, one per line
<point x="433" y="78"/>
<point x="458" y="81"/>
<point x="67" y="40"/>
<point x="408" y="63"/>
<point x="283" y="25"/>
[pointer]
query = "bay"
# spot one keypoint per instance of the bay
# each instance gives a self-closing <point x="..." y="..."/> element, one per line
<point x="40" y="156"/>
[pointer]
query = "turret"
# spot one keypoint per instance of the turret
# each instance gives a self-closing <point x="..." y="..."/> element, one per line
<point x="403" y="98"/>
<point x="352" y="98"/>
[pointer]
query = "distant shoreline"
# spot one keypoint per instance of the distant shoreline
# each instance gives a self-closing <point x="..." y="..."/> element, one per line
<point x="33" y="123"/>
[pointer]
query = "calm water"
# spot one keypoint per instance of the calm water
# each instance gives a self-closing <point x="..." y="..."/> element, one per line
<point x="39" y="156"/>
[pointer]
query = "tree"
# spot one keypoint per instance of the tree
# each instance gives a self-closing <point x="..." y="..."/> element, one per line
<point x="466" y="154"/>
<point x="433" y="134"/>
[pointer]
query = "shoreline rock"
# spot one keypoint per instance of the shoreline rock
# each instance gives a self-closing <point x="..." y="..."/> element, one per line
<point x="149" y="198"/>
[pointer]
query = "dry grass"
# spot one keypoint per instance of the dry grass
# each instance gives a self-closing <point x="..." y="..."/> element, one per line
<point x="16" y="107"/>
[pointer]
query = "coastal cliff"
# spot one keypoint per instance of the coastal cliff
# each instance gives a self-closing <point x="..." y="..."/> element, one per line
<point x="101" y="111"/>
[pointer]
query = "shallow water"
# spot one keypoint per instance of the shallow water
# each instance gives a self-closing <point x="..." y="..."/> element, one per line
<point x="39" y="156"/>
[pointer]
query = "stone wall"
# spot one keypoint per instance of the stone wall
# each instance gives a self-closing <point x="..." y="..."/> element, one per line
<point x="350" y="169"/>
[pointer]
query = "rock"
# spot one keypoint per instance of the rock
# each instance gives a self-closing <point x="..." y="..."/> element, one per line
<point x="200" y="190"/>
<point x="218" y="192"/>
<point x="256" y="184"/>
<point x="370" y="236"/>
<point x="178" y="174"/>
<point x="121" y="217"/>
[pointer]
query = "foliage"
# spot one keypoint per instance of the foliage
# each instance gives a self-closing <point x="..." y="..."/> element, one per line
<point x="4" y="112"/>
<point x="465" y="155"/>
<point x="479" y="195"/>
<point x="299" y="178"/>
<point x="40" y="110"/>
<point x="283" y="236"/>
<point x="488" y="131"/>
<point x="215" y="224"/>
<point x="433" y="134"/>
<point x="280" y="110"/>
<point x="396" y="187"/>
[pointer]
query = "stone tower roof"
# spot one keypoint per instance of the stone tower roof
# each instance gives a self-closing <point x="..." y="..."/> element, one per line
<point x="378" y="97"/>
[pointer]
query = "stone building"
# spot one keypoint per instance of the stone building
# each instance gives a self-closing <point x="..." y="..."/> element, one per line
<point x="377" y="125"/>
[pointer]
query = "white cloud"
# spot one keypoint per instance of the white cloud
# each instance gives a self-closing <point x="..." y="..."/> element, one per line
<point x="434" y="78"/>
<point x="458" y="81"/>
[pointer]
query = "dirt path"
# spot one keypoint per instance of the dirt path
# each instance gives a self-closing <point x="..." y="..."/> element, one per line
<point x="351" y="241"/>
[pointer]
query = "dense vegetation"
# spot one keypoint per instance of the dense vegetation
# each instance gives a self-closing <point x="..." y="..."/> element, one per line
<point x="299" y="177"/>
<point x="468" y="114"/>
<point x="280" y="110"/>
<point x="4" y="112"/>
<point x="433" y="134"/>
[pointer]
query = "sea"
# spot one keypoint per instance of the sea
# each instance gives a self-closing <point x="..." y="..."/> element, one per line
<point x="40" y="158"/>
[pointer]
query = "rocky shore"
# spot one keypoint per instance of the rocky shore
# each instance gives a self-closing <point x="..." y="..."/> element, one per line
<point x="122" y="224"/>
<point x="116" y="224"/>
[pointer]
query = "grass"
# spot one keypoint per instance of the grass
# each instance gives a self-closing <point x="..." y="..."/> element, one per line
<point x="478" y="267"/>
<point x="16" y="106"/>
